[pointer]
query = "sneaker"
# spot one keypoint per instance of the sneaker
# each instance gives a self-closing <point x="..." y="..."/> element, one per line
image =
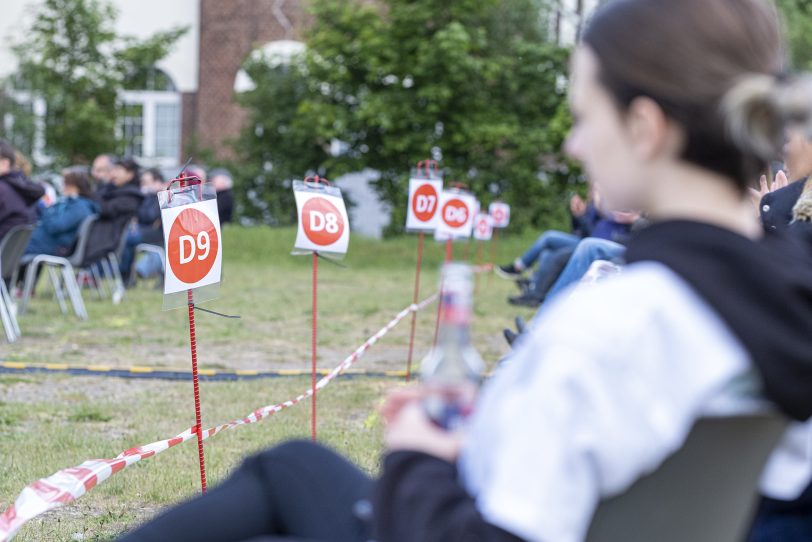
<point x="510" y="336"/>
<point x="508" y="272"/>
<point x="525" y="300"/>
<point x="524" y="285"/>
<point x="521" y="326"/>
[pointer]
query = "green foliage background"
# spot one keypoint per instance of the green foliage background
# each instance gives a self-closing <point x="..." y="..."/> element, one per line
<point x="72" y="58"/>
<point x="475" y="84"/>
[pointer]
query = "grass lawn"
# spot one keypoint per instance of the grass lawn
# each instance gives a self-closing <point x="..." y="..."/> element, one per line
<point x="49" y="422"/>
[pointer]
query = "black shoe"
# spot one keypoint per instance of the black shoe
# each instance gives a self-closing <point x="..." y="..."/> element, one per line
<point x="524" y="285"/>
<point x="525" y="300"/>
<point x="510" y="336"/>
<point x="521" y="327"/>
<point x="507" y="272"/>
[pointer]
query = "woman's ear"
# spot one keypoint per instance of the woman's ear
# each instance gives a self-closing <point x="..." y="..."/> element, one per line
<point x="650" y="132"/>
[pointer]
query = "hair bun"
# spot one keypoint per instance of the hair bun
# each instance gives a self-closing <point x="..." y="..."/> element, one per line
<point x="759" y="107"/>
<point x="753" y="117"/>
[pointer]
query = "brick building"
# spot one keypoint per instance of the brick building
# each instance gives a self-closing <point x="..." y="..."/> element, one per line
<point x="228" y="32"/>
<point x="195" y="99"/>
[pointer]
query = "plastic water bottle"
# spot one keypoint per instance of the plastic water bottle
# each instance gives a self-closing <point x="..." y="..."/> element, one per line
<point x="452" y="371"/>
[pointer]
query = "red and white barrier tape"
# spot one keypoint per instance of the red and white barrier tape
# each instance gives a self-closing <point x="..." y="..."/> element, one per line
<point x="67" y="485"/>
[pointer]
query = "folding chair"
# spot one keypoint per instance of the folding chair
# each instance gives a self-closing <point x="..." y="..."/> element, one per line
<point x="705" y="492"/>
<point x="67" y="267"/>
<point x="12" y="248"/>
<point x="111" y="266"/>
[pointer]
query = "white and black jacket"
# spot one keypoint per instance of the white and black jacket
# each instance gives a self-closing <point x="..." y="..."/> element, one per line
<point x="609" y="383"/>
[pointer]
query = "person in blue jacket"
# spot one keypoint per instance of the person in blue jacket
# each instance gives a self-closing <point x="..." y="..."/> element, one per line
<point x="58" y="226"/>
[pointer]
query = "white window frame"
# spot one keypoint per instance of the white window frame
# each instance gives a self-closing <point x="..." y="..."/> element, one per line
<point x="39" y="109"/>
<point x="149" y="100"/>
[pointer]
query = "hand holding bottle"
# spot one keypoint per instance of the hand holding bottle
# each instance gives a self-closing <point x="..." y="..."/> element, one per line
<point x="408" y="426"/>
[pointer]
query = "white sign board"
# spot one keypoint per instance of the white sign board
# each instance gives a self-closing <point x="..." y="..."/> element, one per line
<point x="456" y="214"/>
<point x="323" y="222"/>
<point x="483" y="227"/>
<point x="500" y="213"/>
<point x="424" y="204"/>
<point x="194" y="248"/>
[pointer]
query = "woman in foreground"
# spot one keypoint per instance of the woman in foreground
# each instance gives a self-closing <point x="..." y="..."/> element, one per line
<point x="678" y="104"/>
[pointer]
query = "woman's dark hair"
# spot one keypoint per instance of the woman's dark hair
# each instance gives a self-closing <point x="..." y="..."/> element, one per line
<point x="7" y="152"/>
<point x="155" y="173"/>
<point x="713" y="66"/>
<point x="77" y="176"/>
<point x="130" y="165"/>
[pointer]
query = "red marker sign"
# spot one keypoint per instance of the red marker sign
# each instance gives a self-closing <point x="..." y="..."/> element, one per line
<point x="483" y="227"/>
<point x="456" y="214"/>
<point x="193" y="246"/>
<point x="323" y="222"/>
<point x="424" y="204"/>
<point x="500" y="213"/>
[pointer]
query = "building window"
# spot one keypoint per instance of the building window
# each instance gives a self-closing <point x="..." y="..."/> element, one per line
<point x="131" y="125"/>
<point x="167" y="130"/>
<point x="149" y="126"/>
<point x="149" y="120"/>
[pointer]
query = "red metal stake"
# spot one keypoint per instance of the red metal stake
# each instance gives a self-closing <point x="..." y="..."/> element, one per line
<point x="198" y="423"/>
<point x="494" y="244"/>
<point x="478" y="262"/>
<point x="313" y="348"/>
<point x="414" y="302"/>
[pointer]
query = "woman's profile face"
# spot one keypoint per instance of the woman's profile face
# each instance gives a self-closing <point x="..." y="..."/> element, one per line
<point x="797" y="155"/>
<point x="599" y="138"/>
<point x="121" y="175"/>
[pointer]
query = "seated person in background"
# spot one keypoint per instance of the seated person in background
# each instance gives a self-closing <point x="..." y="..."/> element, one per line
<point x="102" y="170"/>
<point x="118" y="202"/>
<point x="788" y="208"/>
<point x="59" y="224"/>
<point x="18" y="195"/>
<point x="777" y="201"/>
<point x="714" y="314"/>
<point x="569" y="265"/>
<point x="552" y="249"/>
<point x="148" y="227"/>
<point x="223" y="184"/>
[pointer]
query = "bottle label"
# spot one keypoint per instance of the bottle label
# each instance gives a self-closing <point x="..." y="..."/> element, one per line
<point x="454" y="312"/>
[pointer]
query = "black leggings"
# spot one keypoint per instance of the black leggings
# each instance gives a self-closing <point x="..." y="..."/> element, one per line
<point x="297" y="491"/>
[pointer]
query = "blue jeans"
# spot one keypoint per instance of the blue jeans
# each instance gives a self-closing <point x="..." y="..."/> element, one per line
<point x="587" y="251"/>
<point x="149" y="265"/>
<point x="545" y="248"/>
<point x="134" y="238"/>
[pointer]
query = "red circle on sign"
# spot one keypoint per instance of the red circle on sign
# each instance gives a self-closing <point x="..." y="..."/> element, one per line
<point x="499" y="215"/>
<point x="193" y="246"/>
<point x="455" y="213"/>
<point x="322" y="222"/>
<point x="483" y="226"/>
<point x="424" y="202"/>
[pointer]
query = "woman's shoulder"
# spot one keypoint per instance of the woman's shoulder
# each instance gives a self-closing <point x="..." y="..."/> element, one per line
<point x="646" y="302"/>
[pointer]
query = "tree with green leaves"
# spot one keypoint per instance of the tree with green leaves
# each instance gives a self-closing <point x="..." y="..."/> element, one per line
<point x="74" y="61"/>
<point x="797" y="15"/>
<point x="475" y="84"/>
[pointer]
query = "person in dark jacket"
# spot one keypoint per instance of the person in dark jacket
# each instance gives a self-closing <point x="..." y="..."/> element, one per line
<point x="59" y="224"/>
<point x="118" y="203"/>
<point x="710" y="314"/>
<point x="777" y="201"/>
<point x="224" y="185"/>
<point x="789" y="209"/>
<point x="18" y="195"/>
<point x="147" y="228"/>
